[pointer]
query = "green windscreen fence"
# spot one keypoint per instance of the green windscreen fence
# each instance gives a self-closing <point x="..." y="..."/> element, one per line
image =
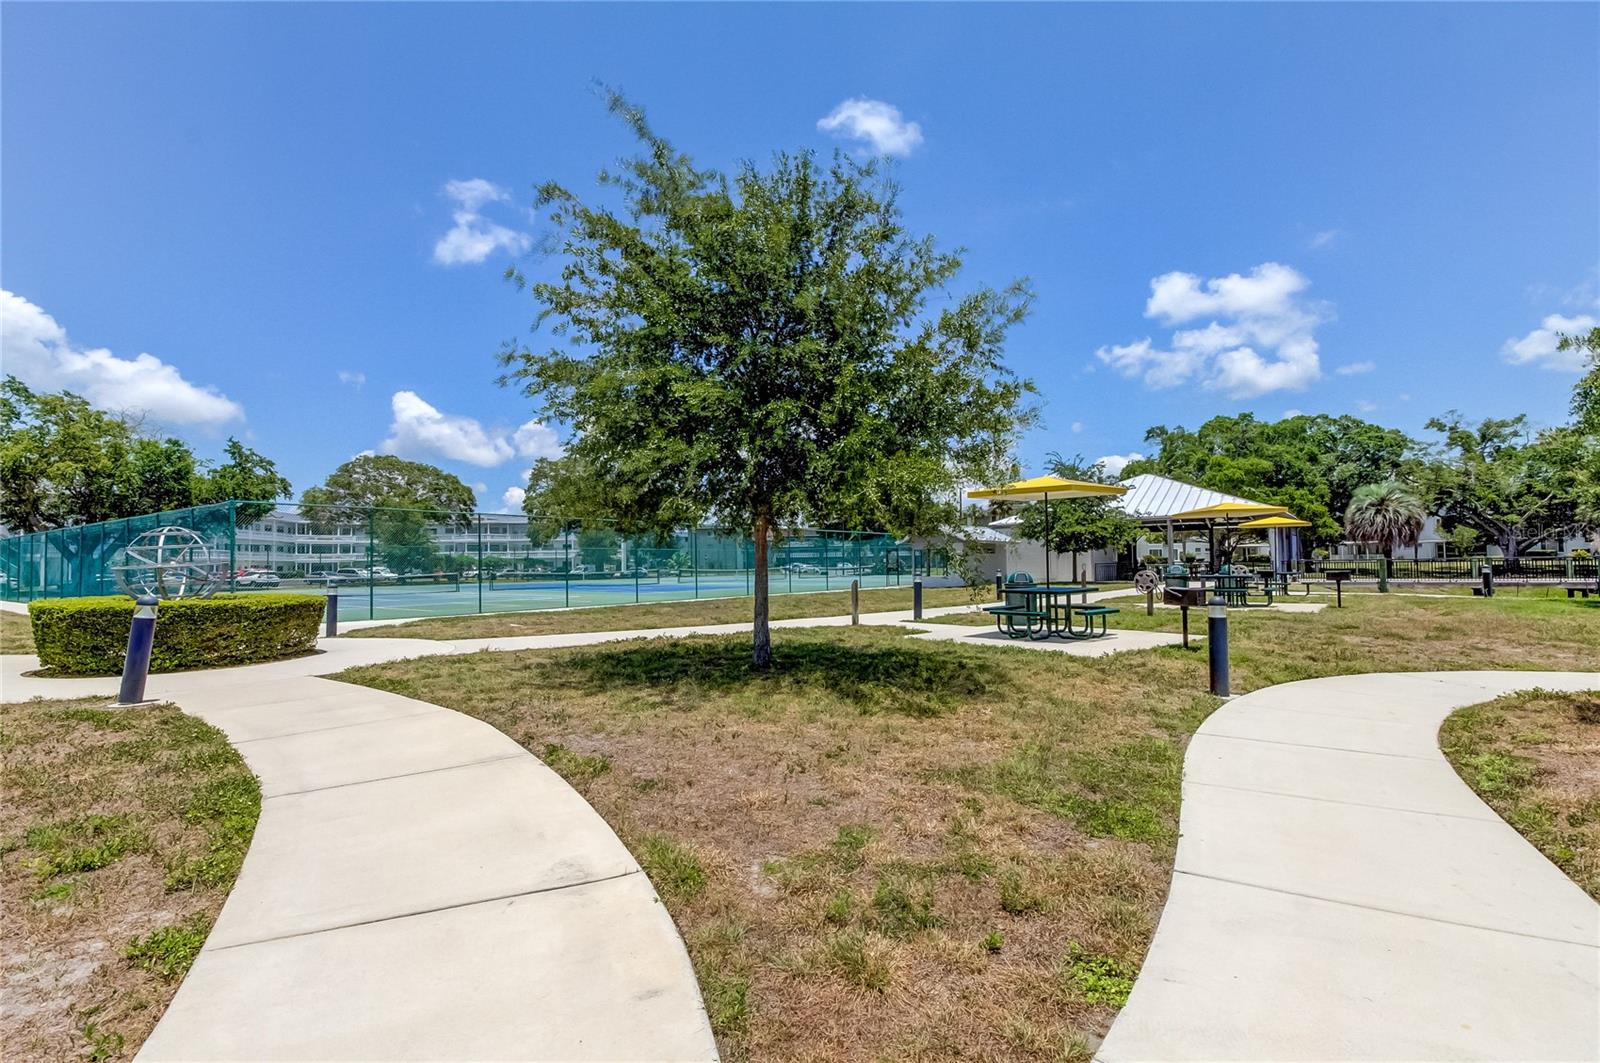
<point x="395" y="563"/>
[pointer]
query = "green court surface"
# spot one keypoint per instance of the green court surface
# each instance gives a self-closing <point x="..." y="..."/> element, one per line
<point x="395" y="601"/>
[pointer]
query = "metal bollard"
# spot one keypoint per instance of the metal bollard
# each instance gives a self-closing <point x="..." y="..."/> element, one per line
<point x="999" y="587"/>
<point x="1488" y="580"/>
<point x="916" y="599"/>
<point x="330" y="612"/>
<point x="855" y="601"/>
<point x="136" y="666"/>
<point x="1217" y="639"/>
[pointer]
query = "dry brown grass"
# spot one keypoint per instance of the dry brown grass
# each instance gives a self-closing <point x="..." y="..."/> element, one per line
<point x="16" y="633"/>
<point x="901" y="849"/>
<point x="666" y="614"/>
<point x="121" y="833"/>
<point x="1534" y="757"/>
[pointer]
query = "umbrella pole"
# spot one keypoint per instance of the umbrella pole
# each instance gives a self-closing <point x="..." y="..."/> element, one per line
<point x="1047" y="537"/>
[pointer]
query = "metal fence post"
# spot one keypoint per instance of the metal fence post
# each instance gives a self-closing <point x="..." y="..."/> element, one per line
<point x="1217" y="639"/>
<point x="136" y="665"/>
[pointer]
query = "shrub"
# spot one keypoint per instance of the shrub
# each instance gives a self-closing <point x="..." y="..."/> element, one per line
<point x="89" y="636"/>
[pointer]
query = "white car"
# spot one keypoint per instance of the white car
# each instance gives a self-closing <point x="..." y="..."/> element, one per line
<point x="257" y="577"/>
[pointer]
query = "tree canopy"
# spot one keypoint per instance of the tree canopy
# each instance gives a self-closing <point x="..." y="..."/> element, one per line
<point x="378" y="481"/>
<point x="62" y="462"/>
<point x="765" y="349"/>
<point x="1385" y="514"/>
<point x="1498" y="478"/>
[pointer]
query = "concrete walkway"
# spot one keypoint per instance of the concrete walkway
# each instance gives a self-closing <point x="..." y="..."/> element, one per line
<point x="1339" y="893"/>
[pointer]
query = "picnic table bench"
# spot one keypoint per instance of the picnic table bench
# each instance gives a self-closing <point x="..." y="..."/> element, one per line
<point x="1585" y="589"/>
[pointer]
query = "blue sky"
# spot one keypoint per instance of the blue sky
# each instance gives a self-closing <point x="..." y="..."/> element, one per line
<point x="289" y="222"/>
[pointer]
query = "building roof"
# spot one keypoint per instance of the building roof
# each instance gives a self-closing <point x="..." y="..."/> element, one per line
<point x="1155" y="498"/>
<point x="978" y="533"/>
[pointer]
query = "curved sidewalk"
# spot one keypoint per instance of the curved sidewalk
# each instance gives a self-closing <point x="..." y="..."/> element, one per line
<point x="1339" y="892"/>
<point x="419" y="887"/>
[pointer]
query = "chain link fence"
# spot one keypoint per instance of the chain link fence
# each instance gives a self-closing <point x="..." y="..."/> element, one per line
<point x="395" y="563"/>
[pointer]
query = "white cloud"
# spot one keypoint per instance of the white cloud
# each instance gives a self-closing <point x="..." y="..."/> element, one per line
<point x="419" y="430"/>
<point x="35" y="348"/>
<point x="474" y="237"/>
<point x="1354" y="368"/>
<point x="1077" y="426"/>
<point x="1260" y="339"/>
<point x="1293" y="413"/>
<point x="1366" y="405"/>
<point x="513" y="499"/>
<point x="355" y="380"/>
<point x="1541" y="346"/>
<point x="875" y="122"/>
<point x="1326" y="238"/>
<point x="534" y="440"/>
<point x="1115" y="463"/>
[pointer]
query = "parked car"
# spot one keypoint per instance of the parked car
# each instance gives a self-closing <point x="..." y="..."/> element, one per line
<point x="257" y="577"/>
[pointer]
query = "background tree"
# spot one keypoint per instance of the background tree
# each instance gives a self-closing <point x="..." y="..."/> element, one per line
<point x="1513" y="489"/>
<point x="245" y="476"/>
<point x="396" y="500"/>
<point x="761" y="348"/>
<point x="1386" y="514"/>
<point x="1310" y="464"/>
<point x="64" y="462"/>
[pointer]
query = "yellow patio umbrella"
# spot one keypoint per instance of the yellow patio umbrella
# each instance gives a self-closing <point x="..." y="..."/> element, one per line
<point x="1227" y="512"/>
<point x="1281" y="521"/>
<point x="1041" y="489"/>
<point x="1272" y="525"/>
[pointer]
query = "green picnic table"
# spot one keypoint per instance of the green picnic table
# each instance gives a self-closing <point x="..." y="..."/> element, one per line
<point x="1039" y="610"/>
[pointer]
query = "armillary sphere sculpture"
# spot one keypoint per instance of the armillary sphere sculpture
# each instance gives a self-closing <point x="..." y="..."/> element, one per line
<point x="169" y="563"/>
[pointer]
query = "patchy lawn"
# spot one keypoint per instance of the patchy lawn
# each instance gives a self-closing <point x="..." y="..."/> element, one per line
<point x="1534" y="757"/>
<point x="667" y="614"/>
<point x="890" y="848"/>
<point x="121" y="832"/>
<point x="16" y="633"/>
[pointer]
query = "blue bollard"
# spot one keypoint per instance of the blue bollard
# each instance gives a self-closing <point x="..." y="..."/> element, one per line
<point x="1217" y="639"/>
<point x="916" y="599"/>
<point x="330" y="612"/>
<point x="136" y="666"/>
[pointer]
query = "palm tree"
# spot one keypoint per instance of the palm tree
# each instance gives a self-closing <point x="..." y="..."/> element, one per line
<point x="1386" y="513"/>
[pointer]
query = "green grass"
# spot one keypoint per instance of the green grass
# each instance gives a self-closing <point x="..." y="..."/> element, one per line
<point x="121" y="832"/>
<point x="844" y="841"/>
<point x="1532" y="757"/>
<point x="667" y="614"/>
<point x="16" y="633"/>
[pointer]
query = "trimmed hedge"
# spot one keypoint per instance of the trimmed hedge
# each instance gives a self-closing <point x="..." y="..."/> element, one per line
<point x="89" y="636"/>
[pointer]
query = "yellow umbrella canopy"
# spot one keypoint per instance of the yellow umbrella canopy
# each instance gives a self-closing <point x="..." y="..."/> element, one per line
<point x="1281" y="521"/>
<point x="1231" y="510"/>
<point x="1042" y="489"/>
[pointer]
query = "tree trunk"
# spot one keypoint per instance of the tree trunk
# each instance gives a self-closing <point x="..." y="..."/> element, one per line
<point x="761" y="658"/>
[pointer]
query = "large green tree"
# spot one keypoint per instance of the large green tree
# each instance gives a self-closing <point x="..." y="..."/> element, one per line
<point x="397" y="500"/>
<point x="245" y="476"/>
<point x="767" y="349"/>
<point x="1310" y="463"/>
<point x="1078" y="525"/>
<point x="1500" y="479"/>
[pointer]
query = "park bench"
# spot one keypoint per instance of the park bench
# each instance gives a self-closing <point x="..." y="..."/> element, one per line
<point x="1585" y="589"/>
<point x="1089" y="613"/>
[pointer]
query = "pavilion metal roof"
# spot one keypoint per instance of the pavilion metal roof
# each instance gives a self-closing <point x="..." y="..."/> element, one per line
<point x="1155" y="498"/>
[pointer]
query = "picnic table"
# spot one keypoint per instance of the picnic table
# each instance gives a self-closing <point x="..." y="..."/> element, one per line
<point x="1039" y="610"/>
